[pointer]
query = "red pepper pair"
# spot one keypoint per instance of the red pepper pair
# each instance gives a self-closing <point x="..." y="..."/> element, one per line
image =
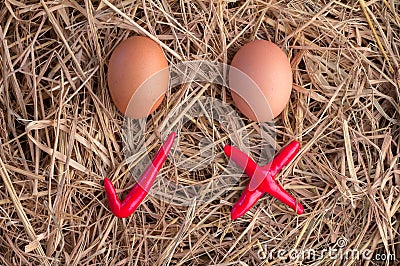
<point x="262" y="181"/>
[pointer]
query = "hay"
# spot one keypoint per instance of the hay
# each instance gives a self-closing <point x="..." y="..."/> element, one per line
<point x="60" y="134"/>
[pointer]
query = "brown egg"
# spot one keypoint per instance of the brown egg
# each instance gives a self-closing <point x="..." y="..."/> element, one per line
<point x="260" y="79"/>
<point x="137" y="76"/>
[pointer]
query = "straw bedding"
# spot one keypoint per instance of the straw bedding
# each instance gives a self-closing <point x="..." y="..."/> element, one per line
<point x="60" y="134"/>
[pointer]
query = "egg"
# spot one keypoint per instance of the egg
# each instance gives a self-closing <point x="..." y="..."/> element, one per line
<point x="260" y="78"/>
<point x="137" y="76"/>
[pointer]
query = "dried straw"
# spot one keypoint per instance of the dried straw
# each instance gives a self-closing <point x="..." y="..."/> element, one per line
<point x="60" y="135"/>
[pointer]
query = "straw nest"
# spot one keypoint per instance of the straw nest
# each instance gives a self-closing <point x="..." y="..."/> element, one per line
<point x="60" y="134"/>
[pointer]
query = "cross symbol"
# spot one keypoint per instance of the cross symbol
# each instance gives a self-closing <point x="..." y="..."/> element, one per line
<point x="263" y="179"/>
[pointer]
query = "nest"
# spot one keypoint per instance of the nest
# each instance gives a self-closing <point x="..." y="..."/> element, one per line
<point x="60" y="135"/>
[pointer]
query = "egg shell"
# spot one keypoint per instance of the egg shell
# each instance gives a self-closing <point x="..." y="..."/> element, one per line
<point x="260" y="79"/>
<point x="137" y="76"/>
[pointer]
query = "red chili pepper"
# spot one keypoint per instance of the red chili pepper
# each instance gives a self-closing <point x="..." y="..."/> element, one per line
<point x="140" y="190"/>
<point x="263" y="179"/>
